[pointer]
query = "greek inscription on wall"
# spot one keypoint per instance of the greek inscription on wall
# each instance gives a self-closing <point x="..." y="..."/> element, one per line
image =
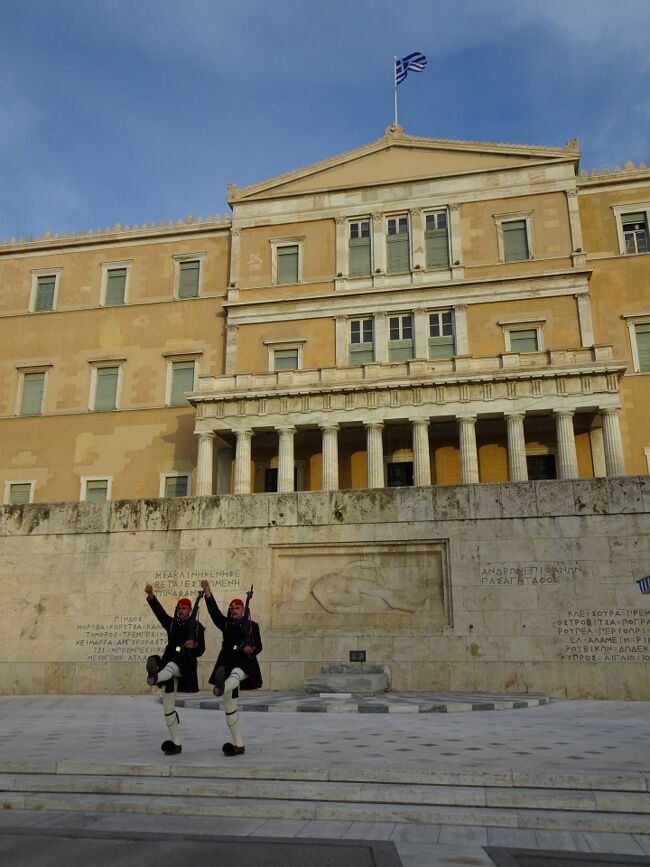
<point x="521" y="574"/>
<point x="605" y="635"/>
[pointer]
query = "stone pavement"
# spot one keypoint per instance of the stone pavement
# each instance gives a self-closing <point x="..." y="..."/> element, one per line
<point x="563" y="750"/>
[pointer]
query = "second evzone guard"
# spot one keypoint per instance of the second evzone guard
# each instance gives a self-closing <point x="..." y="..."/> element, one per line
<point x="236" y="667"/>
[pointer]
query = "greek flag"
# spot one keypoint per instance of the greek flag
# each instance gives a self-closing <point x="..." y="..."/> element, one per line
<point x="416" y="61"/>
<point x="644" y="584"/>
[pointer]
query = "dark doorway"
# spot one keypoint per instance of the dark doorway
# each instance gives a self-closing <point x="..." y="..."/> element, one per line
<point x="400" y="475"/>
<point x="541" y="467"/>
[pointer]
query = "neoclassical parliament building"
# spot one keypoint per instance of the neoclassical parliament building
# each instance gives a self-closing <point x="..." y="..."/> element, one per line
<point x="413" y="312"/>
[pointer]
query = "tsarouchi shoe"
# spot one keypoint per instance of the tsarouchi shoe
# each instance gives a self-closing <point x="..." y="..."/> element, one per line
<point x="169" y="748"/>
<point x="231" y="750"/>
<point x="153" y="667"/>
<point x="219" y="680"/>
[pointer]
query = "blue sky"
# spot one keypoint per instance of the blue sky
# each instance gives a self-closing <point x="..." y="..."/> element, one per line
<point x="133" y="111"/>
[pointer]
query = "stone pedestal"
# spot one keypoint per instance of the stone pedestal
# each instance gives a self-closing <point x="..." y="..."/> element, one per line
<point x="353" y="679"/>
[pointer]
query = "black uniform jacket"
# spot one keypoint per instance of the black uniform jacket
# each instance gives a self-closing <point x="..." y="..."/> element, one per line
<point x="178" y="632"/>
<point x="237" y="634"/>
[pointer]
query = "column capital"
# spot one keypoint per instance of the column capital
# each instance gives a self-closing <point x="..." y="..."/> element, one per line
<point x="609" y="410"/>
<point x="373" y="425"/>
<point x="340" y="221"/>
<point x="326" y="425"/>
<point x="244" y="433"/>
<point x="286" y="429"/>
<point x="206" y="434"/>
<point x="466" y="418"/>
<point x="417" y="212"/>
<point x="563" y="413"/>
<point x="453" y="206"/>
<point x="514" y="415"/>
<point x="420" y="420"/>
<point x="377" y="215"/>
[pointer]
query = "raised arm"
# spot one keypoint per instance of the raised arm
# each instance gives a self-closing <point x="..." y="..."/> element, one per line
<point x="218" y="618"/>
<point x="159" y="612"/>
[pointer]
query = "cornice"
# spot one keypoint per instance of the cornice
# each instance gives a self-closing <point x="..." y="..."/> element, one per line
<point x="630" y="173"/>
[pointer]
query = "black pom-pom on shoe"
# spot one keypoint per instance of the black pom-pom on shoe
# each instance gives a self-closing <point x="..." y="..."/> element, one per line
<point x="231" y="750"/>
<point x="169" y="748"/>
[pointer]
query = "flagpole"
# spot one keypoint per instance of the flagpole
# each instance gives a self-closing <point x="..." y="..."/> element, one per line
<point x="395" y="86"/>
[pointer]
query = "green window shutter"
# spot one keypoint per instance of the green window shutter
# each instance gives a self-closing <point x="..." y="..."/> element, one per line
<point x="359" y="257"/>
<point x="437" y="248"/>
<point x="106" y="388"/>
<point x="182" y="382"/>
<point x="643" y="346"/>
<point x="32" y="399"/>
<point x="515" y="241"/>
<point x="361" y="353"/>
<point x="441" y="347"/>
<point x="524" y="340"/>
<point x="287" y="264"/>
<point x="115" y="287"/>
<point x="285" y="359"/>
<point x="633" y="219"/>
<point x="19" y="493"/>
<point x="188" y="281"/>
<point x="45" y="293"/>
<point x="400" y="350"/>
<point x="397" y="253"/>
<point x="96" y="490"/>
<point x="176" y="486"/>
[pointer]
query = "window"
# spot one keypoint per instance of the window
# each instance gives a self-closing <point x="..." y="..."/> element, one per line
<point x="182" y="381"/>
<point x="400" y="337"/>
<point x="95" y="490"/>
<point x="285" y="359"/>
<point x="175" y="485"/>
<point x="33" y="387"/>
<point x="523" y="340"/>
<point x="286" y="264"/>
<point x="188" y="279"/>
<point x="359" y="248"/>
<point x="398" y="257"/>
<point x="362" y="341"/>
<point x="115" y="287"/>
<point x="19" y="493"/>
<point x="441" y="334"/>
<point x="44" y="286"/>
<point x="436" y="240"/>
<point x="635" y="232"/>
<point x="642" y="337"/>
<point x="541" y="467"/>
<point x="105" y="380"/>
<point x="514" y="236"/>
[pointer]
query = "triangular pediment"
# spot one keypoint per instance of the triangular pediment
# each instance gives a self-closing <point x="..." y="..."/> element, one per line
<point x="398" y="158"/>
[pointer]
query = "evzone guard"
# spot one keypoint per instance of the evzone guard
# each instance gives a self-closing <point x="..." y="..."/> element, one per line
<point x="176" y="670"/>
<point x="236" y="667"/>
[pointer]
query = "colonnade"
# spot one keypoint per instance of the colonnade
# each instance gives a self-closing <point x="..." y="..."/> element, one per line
<point x="567" y="460"/>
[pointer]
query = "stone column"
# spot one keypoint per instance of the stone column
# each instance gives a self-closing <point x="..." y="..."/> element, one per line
<point x="342" y="253"/>
<point x="421" y="333"/>
<point x="231" y="349"/>
<point x="417" y="239"/>
<point x="342" y="339"/>
<point x="378" y="243"/>
<point x="375" y="447"/>
<point x="517" y="469"/>
<point x="330" y="471"/>
<point x="421" y="454"/>
<point x="468" y="451"/>
<point x="567" y="459"/>
<point x="243" y="462"/>
<point x="381" y="337"/>
<point x="285" y="459"/>
<point x="204" y="464"/>
<point x="614" y="463"/>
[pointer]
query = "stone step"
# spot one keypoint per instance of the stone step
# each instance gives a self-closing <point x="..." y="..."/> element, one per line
<point x="370" y="793"/>
<point x="628" y="823"/>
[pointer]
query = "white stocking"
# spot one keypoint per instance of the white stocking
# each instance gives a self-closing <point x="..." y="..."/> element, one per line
<point x="171" y="717"/>
<point x="230" y="705"/>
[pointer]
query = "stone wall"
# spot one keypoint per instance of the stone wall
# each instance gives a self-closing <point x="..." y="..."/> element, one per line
<point x="518" y="587"/>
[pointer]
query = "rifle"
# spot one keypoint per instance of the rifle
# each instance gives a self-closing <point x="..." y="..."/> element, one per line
<point x="192" y="633"/>
<point x="245" y="624"/>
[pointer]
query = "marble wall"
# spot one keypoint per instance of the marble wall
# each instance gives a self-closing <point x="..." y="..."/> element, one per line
<point x="508" y="587"/>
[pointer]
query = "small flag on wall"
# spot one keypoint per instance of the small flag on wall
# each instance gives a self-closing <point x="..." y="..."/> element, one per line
<point x="415" y="61"/>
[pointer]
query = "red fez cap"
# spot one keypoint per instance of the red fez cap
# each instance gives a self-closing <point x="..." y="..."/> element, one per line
<point x="236" y="602"/>
<point x="184" y="601"/>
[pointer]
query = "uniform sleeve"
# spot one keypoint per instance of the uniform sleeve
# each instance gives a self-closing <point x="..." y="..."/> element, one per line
<point x="161" y="615"/>
<point x="215" y="613"/>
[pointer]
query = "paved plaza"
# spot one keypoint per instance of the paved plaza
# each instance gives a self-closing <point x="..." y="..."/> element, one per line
<point x="563" y="744"/>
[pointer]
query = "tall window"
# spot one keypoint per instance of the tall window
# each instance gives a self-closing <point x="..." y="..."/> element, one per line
<point x="441" y="334"/>
<point x="33" y="386"/>
<point x="400" y="337"/>
<point x="188" y="278"/>
<point x="359" y="248"/>
<point x="115" y="287"/>
<point x="398" y="257"/>
<point x="44" y="296"/>
<point x="515" y="240"/>
<point x="18" y="493"/>
<point x="105" y="385"/>
<point x="642" y="334"/>
<point x="635" y="232"/>
<point x="362" y="341"/>
<point x="436" y="240"/>
<point x="286" y="265"/>
<point x="182" y="381"/>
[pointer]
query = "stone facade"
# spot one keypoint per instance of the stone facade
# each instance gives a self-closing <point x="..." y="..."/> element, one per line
<point x="504" y="587"/>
